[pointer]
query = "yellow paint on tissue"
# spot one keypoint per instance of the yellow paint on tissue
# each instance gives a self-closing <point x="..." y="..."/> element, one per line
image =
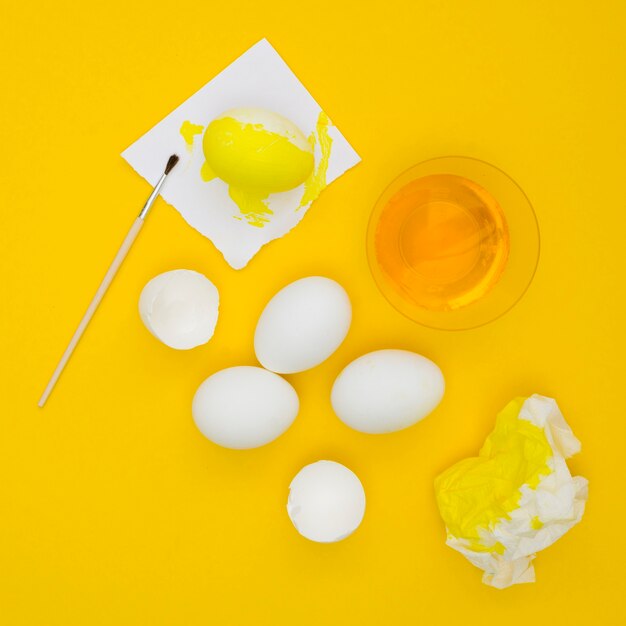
<point x="477" y="493"/>
<point x="316" y="183"/>
<point x="188" y="130"/>
<point x="251" y="205"/>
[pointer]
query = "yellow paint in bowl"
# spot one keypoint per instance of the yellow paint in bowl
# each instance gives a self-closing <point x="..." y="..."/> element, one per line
<point x="453" y="243"/>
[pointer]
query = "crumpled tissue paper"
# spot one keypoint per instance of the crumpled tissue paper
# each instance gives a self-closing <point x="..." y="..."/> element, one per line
<point x="518" y="496"/>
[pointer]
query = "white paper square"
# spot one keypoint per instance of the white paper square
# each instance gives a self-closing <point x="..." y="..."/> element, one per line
<point x="259" y="78"/>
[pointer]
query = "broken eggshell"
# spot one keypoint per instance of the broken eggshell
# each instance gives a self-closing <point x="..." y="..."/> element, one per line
<point x="326" y="502"/>
<point x="180" y="308"/>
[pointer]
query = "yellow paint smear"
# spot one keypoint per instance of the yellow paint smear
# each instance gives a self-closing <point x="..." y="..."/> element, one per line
<point x="316" y="183"/>
<point x="477" y="493"/>
<point x="188" y="130"/>
<point x="251" y="205"/>
<point x="206" y="173"/>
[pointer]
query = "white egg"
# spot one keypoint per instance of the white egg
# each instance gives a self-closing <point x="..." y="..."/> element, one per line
<point x="326" y="502"/>
<point x="387" y="390"/>
<point x="302" y="325"/>
<point x="244" y="407"/>
<point x="180" y="308"/>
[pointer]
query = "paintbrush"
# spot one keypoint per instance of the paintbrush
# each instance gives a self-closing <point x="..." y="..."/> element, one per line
<point x="108" y="279"/>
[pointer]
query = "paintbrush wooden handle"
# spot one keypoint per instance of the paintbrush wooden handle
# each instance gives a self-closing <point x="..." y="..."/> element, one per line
<point x="93" y="306"/>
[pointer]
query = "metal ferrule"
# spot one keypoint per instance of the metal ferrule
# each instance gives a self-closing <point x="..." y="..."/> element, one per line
<point x="153" y="196"/>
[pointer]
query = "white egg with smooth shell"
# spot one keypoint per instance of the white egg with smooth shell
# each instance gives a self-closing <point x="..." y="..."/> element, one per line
<point x="326" y="502"/>
<point x="302" y="325"/>
<point x="244" y="407"/>
<point x="180" y="308"/>
<point x="387" y="390"/>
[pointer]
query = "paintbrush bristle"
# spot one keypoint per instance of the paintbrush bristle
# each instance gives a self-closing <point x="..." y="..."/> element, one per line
<point x="171" y="164"/>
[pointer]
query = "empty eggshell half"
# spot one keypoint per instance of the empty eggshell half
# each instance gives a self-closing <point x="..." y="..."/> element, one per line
<point x="180" y="308"/>
<point x="244" y="407"/>
<point x="326" y="502"/>
<point x="302" y="325"/>
<point x="387" y="390"/>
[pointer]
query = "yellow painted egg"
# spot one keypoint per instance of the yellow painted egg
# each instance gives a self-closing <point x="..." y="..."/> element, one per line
<point x="258" y="151"/>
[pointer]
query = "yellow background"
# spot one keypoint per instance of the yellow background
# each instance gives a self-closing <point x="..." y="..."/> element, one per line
<point x="113" y="508"/>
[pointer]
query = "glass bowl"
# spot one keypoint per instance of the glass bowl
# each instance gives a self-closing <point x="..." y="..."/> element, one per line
<point x="453" y="243"/>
